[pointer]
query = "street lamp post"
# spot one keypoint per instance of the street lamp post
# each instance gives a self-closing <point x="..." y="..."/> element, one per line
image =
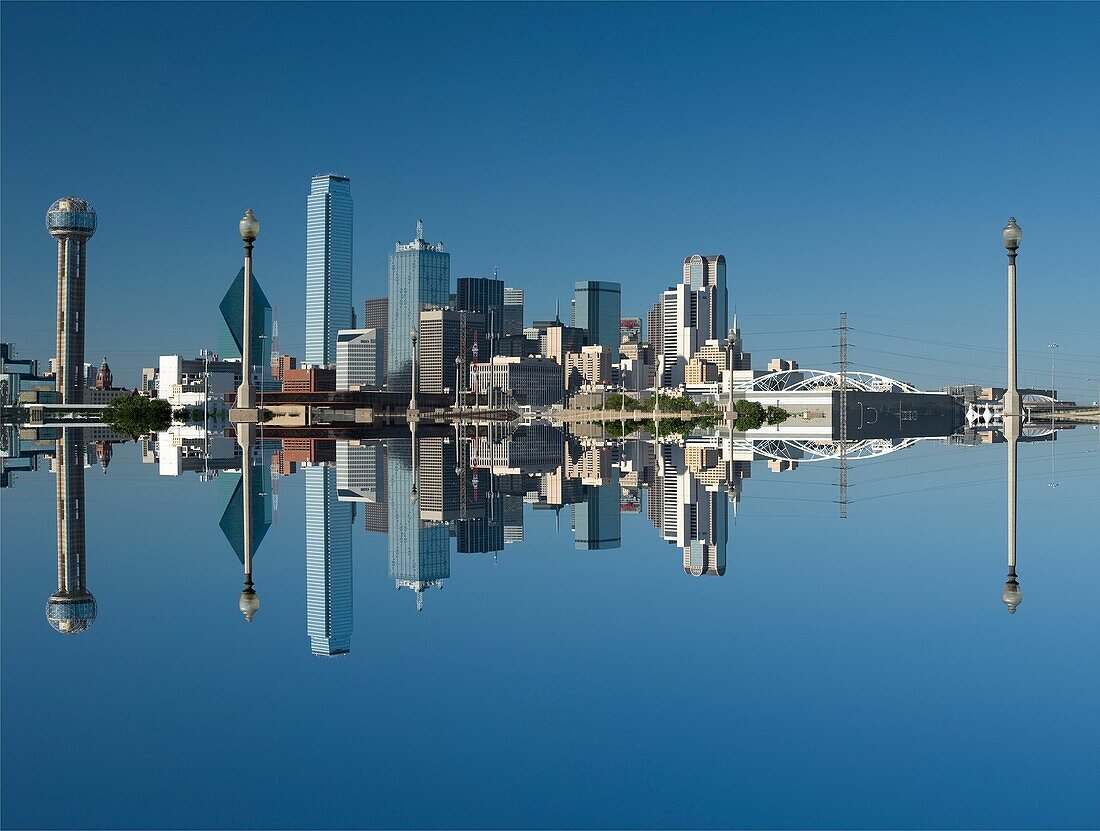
<point x="412" y="399"/>
<point x="458" y="378"/>
<point x="250" y="229"/>
<point x="1053" y="435"/>
<point x="1011" y="236"/>
<point x="249" y="602"/>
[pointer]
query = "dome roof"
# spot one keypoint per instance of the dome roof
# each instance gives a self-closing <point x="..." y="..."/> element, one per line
<point x="71" y="215"/>
<point x="69" y="614"/>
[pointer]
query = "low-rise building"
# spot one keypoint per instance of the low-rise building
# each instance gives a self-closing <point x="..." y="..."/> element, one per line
<point x="183" y="382"/>
<point x="534" y="382"/>
<point x="589" y="368"/>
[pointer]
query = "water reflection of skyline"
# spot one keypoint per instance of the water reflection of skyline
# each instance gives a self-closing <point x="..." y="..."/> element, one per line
<point x="469" y="484"/>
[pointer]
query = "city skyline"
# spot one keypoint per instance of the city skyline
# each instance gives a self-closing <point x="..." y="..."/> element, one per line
<point x="730" y="384"/>
<point x="802" y="251"/>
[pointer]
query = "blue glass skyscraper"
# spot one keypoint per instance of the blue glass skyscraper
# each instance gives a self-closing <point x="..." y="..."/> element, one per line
<point x="328" y="266"/>
<point x="420" y="551"/>
<point x="598" y="307"/>
<point x="597" y="521"/>
<point x="328" y="564"/>
<point x="420" y="276"/>
<point x="485" y="295"/>
<point x="229" y="341"/>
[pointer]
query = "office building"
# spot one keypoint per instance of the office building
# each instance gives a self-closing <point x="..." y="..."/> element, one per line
<point x="20" y="375"/>
<point x="419" y="551"/>
<point x="187" y="382"/>
<point x="376" y="313"/>
<point x="588" y="369"/>
<point x="72" y="222"/>
<point x="597" y="310"/>
<point x="447" y="334"/>
<point x="419" y="278"/>
<point x="281" y="364"/>
<point x="709" y="272"/>
<point x="513" y="311"/>
<point x="630" y="330"/>
<point x="597" y="521"/>
<point x="484" y="295"/>
<point x="681" y="310"/>
<point x="360" y="358"/>
<point x="232" y="329"/>
<point x="557" y="340"/>
<point x="328" y="563"/>
<point x="534" y="382"/>
<point x="328" y="267"/>
<point x="360" y="471"/>
<point x="309" y="379"/>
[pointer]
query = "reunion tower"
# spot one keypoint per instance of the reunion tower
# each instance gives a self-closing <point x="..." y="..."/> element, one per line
<point x="72" y="222"/>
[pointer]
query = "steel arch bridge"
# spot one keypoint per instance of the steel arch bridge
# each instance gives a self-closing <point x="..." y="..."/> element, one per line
<point x="822" y="450"/>
<point x="809" y="380"/>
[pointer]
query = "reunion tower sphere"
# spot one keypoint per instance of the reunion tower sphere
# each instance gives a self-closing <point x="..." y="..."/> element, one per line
<point x="69" y="614"/>
<point x="70" y="216"/>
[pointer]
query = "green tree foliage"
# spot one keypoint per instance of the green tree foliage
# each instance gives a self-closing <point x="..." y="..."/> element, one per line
<point x="776" y="415"/>
<point x="750" y="415"/>
<point x="135" y="415"/>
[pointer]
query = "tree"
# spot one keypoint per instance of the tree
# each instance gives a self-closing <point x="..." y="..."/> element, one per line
<point x="776" y="415"/>
<point x="135" y="415"/>
<point x="750" y="415"/>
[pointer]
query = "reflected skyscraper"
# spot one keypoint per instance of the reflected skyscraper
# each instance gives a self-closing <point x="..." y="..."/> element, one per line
<point x="72" y="222"/>
<point x="328" y="563"/>
<point x="246" y="520"/>
<point x="597" y="521"/>
<point x="72" y="608"/>
<point x="420" y="551"/>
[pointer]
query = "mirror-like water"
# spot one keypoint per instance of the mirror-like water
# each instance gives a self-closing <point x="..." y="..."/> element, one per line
<point x="610" y="632"/>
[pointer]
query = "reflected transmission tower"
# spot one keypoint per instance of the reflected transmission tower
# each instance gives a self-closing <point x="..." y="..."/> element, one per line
<point x="843" y="363"/>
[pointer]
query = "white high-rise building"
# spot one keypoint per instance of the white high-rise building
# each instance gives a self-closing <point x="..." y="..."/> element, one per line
<point x="682" y="309"/>
<point x="328" y="267"/>
<point x="360" y="358"/>
<point x="709" y="271"/>
<point x="328" y="564"/>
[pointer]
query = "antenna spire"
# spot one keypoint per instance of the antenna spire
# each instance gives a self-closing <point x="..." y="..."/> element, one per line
<point x="420" y="229"/>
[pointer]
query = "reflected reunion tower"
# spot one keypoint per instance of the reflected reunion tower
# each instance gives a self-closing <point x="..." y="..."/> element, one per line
<point x="71" y="222"/>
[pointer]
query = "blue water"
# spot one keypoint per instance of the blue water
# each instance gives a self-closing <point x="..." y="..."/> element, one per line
<point x="856" y="673"/>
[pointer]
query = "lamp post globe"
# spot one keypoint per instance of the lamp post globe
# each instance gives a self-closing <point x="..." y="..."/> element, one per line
<point x="250" y="226"/>
<point x="1012" y="234"/>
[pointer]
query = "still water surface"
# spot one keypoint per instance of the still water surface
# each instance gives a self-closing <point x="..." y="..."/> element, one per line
<point x="570" y="671"/>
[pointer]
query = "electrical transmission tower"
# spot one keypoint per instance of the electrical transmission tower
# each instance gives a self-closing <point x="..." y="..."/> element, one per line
<point x="843" y="363"/>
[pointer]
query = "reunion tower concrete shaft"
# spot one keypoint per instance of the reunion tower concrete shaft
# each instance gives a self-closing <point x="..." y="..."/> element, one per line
<point x="71" y="221"/>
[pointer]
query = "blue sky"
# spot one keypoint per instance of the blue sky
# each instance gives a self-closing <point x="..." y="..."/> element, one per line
<point x="843" y="157"/>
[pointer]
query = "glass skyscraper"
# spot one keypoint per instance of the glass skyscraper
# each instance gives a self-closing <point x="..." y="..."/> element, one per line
<point x="513" y="311"/>
<point x="419" y="551"/>
<point x="598" y="305"/>
<point x="420" y="276"/>
<point x="328" y="564"/>
<point x="597" y="521"/>
<point x="328" y="266"/>
<point x="229" y="341"/>
<point x="485" y="295"/>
